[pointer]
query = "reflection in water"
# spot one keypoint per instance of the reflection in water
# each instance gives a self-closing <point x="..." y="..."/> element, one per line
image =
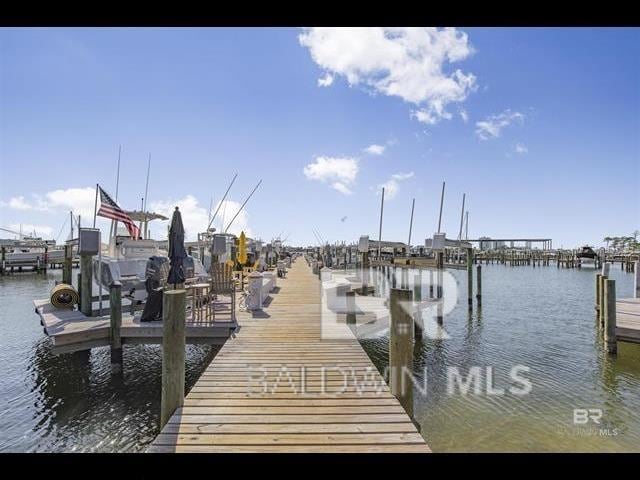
<point x="541" y="319"/>
<point x="73" y="402"/>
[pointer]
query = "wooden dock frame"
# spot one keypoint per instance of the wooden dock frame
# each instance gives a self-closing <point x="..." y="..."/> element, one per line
<point x="279" y="386"/>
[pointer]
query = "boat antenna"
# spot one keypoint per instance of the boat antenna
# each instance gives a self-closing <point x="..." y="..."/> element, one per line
<point x="380" y="229"/>
<point x="413" y="204"/>
<point x="114" y="223"/>
<point x="461" y="217"/>
<point x="118" y="171"/>
<point x="441" y="203"/>
<point x="222" y="201"/>
<point x="146" y="191"/>
<point x="242" y="206"/>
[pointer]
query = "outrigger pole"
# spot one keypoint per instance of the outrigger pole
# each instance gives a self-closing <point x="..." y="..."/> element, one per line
<point x="221" y="201"/>
<point x="242" y="206"/>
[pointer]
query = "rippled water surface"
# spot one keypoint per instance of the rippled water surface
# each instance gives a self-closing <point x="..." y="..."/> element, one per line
<point x="72" y="402"/>
<point x="541" y="318"/>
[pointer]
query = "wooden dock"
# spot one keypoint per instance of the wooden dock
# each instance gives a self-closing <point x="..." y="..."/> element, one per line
<point x="279" y="386"/>
<point x="628" y="320"/>
<point x="72" y="330"/>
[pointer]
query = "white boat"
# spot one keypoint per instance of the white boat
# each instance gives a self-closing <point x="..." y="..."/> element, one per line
<point x="126" y="260"/>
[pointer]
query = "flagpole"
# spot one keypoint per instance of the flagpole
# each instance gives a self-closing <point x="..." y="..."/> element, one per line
<point x="95" y="207"/>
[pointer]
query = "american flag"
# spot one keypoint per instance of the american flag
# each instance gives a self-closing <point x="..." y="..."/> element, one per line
<point x="110" y="209"/>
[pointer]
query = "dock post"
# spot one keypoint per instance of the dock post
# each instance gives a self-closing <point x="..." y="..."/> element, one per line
<point x="603" y="279"/>
<point x="417" y="297"/>
<point x="115" y="306"/>
<point x="46" y="259"/>
<point x="479" y="282"/>
<point x="86" y="270"/>
<point x="610" y="316"/>
<point x="66" y="266"/>
<point x="351" y="307"/>
<point x="439" y="296"/>
<point x="401" y="348"/>
<point x="470" y="277"/>
<point x="173" y="353"/>
<point x="79" y="284"/>
<point x="3" y="258"/>
<point x="636" y="281"/>
<point x="598" y="304"/>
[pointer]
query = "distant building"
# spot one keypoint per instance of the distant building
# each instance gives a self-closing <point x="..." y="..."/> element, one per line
<point x="486" y="243"/>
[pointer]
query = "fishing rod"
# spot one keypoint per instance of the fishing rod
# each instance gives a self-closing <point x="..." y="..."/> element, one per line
<point x="242" y="206"/>
<point x="222" y="201"/>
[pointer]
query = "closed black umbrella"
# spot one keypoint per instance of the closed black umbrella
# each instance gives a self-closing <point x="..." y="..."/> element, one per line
<point x="177" y="253"/>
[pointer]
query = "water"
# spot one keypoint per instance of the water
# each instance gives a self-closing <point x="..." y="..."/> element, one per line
<point x="72" y="402"/>
<point x="541" y="318"/>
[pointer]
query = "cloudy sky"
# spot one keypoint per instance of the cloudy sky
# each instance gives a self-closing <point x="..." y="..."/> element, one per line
<point x="539" y="127"/>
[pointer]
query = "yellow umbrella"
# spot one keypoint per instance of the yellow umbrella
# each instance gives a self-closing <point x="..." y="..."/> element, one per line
<point x="242" y="249"/>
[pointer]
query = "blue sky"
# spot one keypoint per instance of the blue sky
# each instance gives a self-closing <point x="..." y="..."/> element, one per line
<point x="550" y="146"/>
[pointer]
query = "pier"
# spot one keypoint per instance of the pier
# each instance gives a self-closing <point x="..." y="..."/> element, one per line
<point x="279" y="386"/>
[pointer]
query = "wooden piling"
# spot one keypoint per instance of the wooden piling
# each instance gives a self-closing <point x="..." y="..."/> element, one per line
<point x="173" y="353"/>
<point x="439" y="296"/>
<point x="2" y="259"/>
<point x="401" y="337"/>
<point x="351" y="307"/>
<point x="86" y="285"/>
<point x="598" y="303"/>
<point x="610" y="316"/>
<point x="636" y="279"/>
<point x="470" y="277"/>
<point x="479" y="282"/>
<point x="115" y="306"/>
<point x="67" y="265"/>
<point x="417" y="297"/>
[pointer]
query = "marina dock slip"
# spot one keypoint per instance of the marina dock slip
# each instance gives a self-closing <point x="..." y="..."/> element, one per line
<point x="278" y="386"/>
<point x="72" y="331"/>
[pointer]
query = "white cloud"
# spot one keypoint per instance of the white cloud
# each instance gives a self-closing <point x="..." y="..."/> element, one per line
<point x="340" y="172"/>
<point x="195" y="218"/>
<point x="521" y="148"/>
<point x="43" y="231"/>
<point x="403" y="62"/>
<point x="18" y="203"/>
<point x="375" y="149"/>
<point x="80" y="200"/>
<point x="464" y="115"/>
<point x="492" y="126"/>
<point x="326" y="81"/>
<point x="392" y="186"/>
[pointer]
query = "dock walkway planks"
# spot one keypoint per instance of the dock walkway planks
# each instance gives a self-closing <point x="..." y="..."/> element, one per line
<point x="628" y="320"/>
<point x="279" y="387"/>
